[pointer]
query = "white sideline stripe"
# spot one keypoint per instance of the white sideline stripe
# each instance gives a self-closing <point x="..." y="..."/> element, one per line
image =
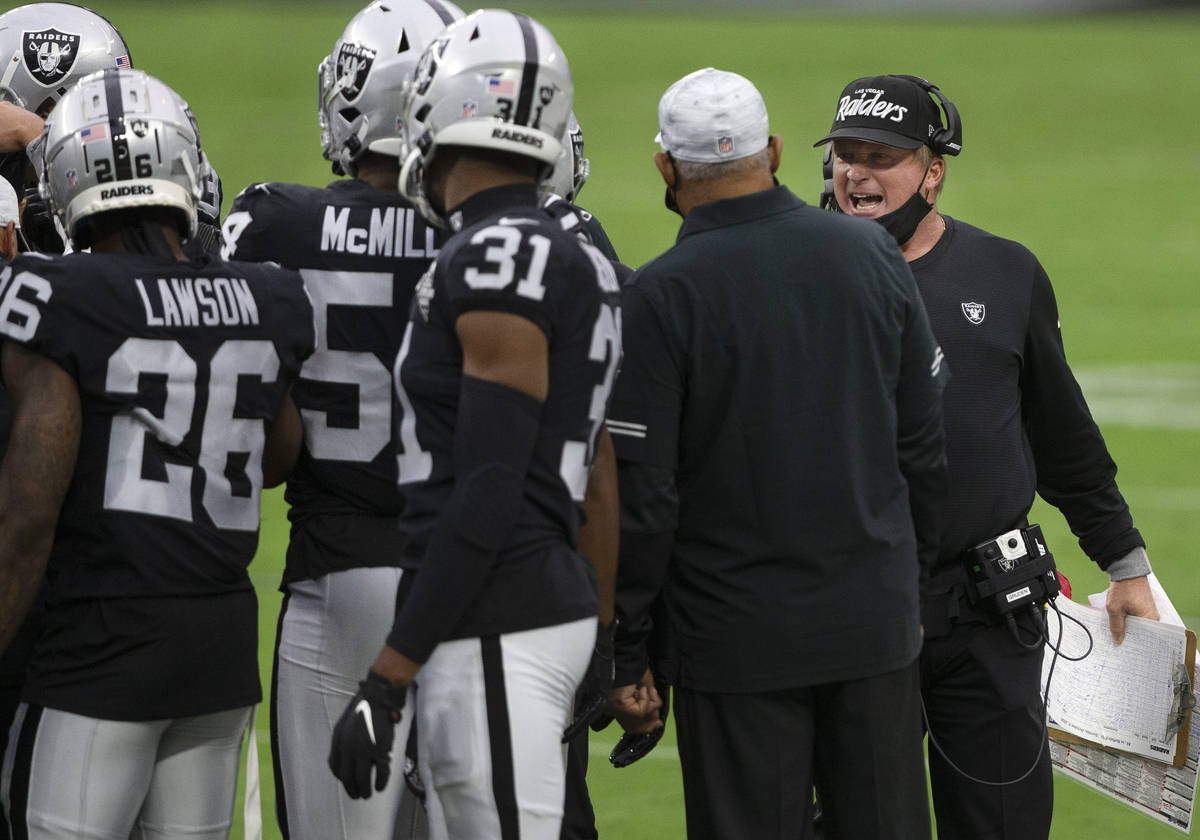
<point x="1145" y="396"/>
<point x="663" y="752"/>
<point x="1180" y="499"/>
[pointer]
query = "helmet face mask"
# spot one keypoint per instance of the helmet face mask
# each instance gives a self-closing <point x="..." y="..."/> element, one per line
<point x="495" y="80"/>
<point x="120" y="139"/>
<point x="47" y="47"/>
<point x="358" y="83"/>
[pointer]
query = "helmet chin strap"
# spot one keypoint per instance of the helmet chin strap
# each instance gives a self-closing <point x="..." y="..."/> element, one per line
<point x="414" y="187"/>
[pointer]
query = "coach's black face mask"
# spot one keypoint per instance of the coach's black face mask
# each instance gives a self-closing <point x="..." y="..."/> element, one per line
<point x="902" y="223"/>
<point x="669" y="195"/>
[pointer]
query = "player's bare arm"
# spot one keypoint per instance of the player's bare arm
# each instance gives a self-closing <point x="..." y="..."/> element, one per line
<point x="18" y="127"/>
<point x="284" y="436"/>
<point x="34" y="477"/>
<point x="600" y="535"/>
<point x="506" y="349"/>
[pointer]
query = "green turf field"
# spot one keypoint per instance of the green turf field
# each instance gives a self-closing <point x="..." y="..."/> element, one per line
<point x="1081" y="140"/>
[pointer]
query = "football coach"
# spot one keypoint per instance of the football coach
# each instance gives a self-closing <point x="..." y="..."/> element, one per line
<point x="778" y="427"/>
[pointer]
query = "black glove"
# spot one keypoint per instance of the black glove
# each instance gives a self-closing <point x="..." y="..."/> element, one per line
<point x="37" y="223"/>
<point x="362" y="738"/>
<point x="596" y="685"/>
<point x="635" y="745"/>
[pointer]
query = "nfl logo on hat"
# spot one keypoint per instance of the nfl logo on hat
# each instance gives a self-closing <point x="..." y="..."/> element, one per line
<point x="724" y="145"/>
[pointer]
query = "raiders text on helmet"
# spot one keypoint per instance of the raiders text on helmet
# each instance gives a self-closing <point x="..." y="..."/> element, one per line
<point x="119" y="139"/>
<point x="358" y="84"/>
<point x="494" y="80"/>
<point x="47" y="47"/>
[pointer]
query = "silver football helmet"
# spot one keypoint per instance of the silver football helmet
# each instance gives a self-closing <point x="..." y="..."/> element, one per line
<point x="47" y="47"/>
<point x="494" y="80"/>
<point x="571" y="170"/>
<point x="119" y="139"/>
<point x="358" y="84"/>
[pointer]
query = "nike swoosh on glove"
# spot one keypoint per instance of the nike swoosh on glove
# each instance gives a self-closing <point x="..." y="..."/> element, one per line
<point x="596" y="684"/>
<point x="362" y="737"/>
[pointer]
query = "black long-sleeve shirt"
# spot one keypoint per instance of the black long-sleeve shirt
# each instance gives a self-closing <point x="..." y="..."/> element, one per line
<point x="778" y="413"/>
<point x="1016" y="420"/>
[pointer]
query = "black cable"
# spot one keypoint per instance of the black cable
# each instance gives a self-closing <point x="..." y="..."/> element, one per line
<point x="1057" y="648"/>
<point x="1082" y="626"/>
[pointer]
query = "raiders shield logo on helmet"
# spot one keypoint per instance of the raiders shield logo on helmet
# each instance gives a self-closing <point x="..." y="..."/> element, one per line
<point x="49" y="55"/>
<point x="353" y="67"/>
<point x="974" y="311"/>
<point x="423" y="292"/>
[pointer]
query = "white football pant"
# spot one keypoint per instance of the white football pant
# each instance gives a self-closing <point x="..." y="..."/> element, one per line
<point x="70" y="776"/>
<point x="330" y="631"/>
<point x="490" y="719"/>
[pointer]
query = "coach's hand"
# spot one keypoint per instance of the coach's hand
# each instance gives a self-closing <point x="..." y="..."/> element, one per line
<point x="596" y="684"/>
<point x="641" y="710"/>
<point x="362" y="738"/>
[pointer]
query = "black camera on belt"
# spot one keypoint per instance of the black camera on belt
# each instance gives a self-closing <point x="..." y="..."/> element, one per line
<point x="1011" y="570"/>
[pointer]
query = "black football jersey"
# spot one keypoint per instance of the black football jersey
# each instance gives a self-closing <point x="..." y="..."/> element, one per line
<point x="180" y="366"/>
<point x="512" y="256"/>
<point x="360" y="251"/>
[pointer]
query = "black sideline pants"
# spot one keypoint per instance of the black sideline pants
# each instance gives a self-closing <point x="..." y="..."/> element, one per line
<point x="982" y="692"/>
<point x="750" y="761"/>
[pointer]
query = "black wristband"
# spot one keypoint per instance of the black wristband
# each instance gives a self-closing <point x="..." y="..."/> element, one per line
<point x="378" y="688"/>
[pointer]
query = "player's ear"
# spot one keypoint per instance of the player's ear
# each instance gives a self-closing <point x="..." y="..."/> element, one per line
<point x="937" y="171"/>
<point x="663" y="161"/>
<point x="774" y="151"/>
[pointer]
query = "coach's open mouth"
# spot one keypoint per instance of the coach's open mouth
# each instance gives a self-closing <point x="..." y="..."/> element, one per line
<point x="865" y="201"/>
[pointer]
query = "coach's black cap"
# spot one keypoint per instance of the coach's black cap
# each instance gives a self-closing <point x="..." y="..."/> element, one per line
<point x="893" y="110"/>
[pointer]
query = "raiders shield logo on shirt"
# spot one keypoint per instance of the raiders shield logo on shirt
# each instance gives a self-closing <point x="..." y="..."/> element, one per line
<point x="974" y="311"/>
<point x="353" y="66"/>
<point x="49" y="55"/>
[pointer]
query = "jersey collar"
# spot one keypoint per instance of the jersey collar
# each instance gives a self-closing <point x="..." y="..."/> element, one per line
<point x="732" y="211"/>
<point x="491" y="201"/>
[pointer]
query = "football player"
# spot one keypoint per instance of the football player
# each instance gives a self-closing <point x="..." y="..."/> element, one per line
<point x="361" y="248"/>
<point x="150" y="408"/>
<point x="45" y="48"/>
<point x="571" y="171"/>
<point x="503" y="380"/>
<point x="561" y="189"/>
